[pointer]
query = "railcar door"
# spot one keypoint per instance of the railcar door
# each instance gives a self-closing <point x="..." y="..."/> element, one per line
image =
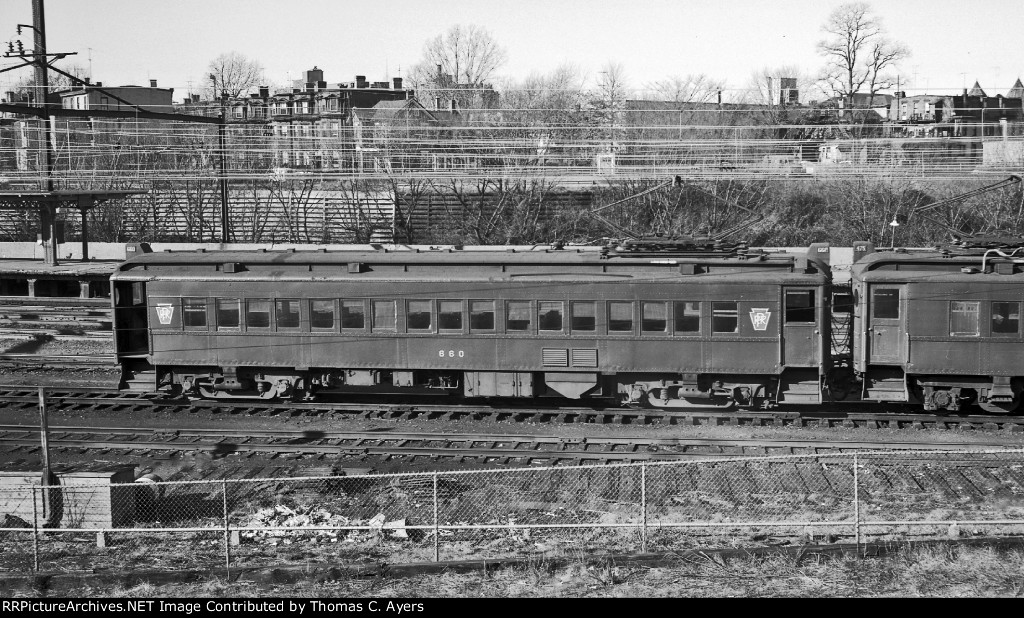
<point x="130" y="329"/>
<point x="800" y="329"/>
<point x="886" y="308"/>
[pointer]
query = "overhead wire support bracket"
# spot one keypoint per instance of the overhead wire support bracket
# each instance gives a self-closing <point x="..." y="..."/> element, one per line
<point x="617" y="229"/>
<point x="958" y="234"/>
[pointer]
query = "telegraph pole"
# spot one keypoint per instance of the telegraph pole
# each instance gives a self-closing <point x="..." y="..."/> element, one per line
<point x="222" y="152"/>
<point x="42" y="81"/>
<point x="222" y="143"/>
<point x="47" y="211"/>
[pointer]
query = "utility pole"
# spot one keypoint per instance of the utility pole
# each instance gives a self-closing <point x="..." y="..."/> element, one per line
<point x="222" y="129"/>
<point x="48" y="212"/>
<point x="222" y="158"/>
<point x="222" y="143"/>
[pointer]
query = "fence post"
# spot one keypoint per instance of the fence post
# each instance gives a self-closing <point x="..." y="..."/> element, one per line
<point x="35" y="533"/>
<point x="227" y="529"/>
<point x="643" y="507"/>
<point x="437" y="539"/>
<point x="856" y="503"/>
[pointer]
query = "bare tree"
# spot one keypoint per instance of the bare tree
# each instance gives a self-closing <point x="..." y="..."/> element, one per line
<point x="609" y="98"/>
<point x="234" y="73"/>
<point x="458" y="64"/>
<point x="857" y="52"/>
<point x="544" y="95"/>
<point x="757" y="88"/>
<point x="56" y="81"/>
<point x="884" y="54"/>
<point x="465" y="54"/>
<point x="698" y="88"/>
<point x="543" y="117"/>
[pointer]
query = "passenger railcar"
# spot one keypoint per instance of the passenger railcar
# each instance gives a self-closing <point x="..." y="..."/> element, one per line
<point x="648" y="324"/>
<point x="940" y="328"/>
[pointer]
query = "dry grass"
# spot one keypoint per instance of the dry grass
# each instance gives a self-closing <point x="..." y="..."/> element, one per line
<point x="937" y="570"/>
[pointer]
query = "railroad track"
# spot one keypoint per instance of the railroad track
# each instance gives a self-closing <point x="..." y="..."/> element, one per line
<point x="58" y="360"/>
<point x="110" y="400"/>
<point x="483" y="448"/>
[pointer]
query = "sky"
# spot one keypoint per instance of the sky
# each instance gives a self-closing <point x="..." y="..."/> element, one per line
<point x="953" y="42"/>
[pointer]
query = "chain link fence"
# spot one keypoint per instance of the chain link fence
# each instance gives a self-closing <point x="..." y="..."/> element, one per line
<point x="492" y="514"/>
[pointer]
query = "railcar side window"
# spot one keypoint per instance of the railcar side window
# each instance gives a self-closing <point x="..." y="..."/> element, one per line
<point x="257" y="313"/>
<point x="321" y="314"/>
<point x="194" y="312"/>
<point x="481" y="315"/>
<point x="353" y="314"/>
<point x="584" y="316"/>
<point x="449" y="315"/>
<point x="799" y="306"/>
<point x="228" y="310"/>
<point x="383" y="315"/>
<point x="725" y="317"/>
<point x="287" y="313"/>
<point x="885" y="304"/>
<point x="549" y="315"/>
<point x="654" y="317"/>
<point x="518" y="315"/>
<point x="419" y="314"/>
<point x="687" y="317"/>
<point x="620" y="317"/>
<point x="1005" y="318"/>
<point x="963" y="318"/>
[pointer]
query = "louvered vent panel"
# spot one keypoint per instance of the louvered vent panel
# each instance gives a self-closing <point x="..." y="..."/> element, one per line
<point x="555" y="357"/>
<point x="584" y="358"/>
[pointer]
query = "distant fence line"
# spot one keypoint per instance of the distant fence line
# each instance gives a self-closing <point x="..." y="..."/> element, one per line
<point x="85" y="522"/>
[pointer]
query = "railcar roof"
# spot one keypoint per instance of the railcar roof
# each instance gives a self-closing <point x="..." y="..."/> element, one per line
<point x="935" y="265"/>
<point x="40" y="268"/>
<point x="584" y="263"/>
<point x="575" y="255"/>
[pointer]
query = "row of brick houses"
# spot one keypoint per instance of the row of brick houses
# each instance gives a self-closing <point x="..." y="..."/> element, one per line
<point x="971" y="114"/>
<point x="374" y="127"/>
<point x="316" y="126"/>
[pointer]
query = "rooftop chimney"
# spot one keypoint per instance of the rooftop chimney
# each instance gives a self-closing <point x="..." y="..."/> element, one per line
<point x="264" y="92"/>
<point x="398" y="83"/>
<point x="360" y="81"/>
<point x="316" y="75"/>
<point x="152" y="83"/>
<point x="99" y="84"/>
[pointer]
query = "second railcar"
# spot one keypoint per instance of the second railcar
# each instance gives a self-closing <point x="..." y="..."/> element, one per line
<point x="940" y="328"/>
